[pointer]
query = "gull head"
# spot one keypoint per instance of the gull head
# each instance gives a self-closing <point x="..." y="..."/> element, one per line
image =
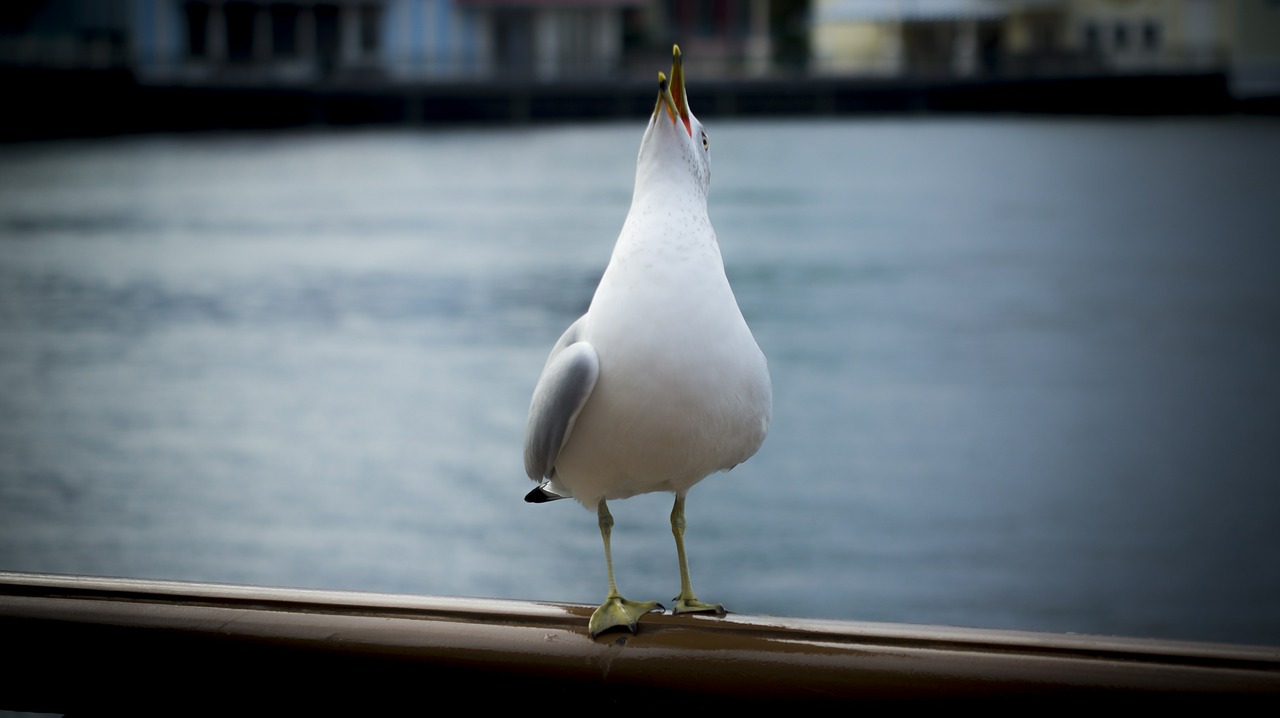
<point x="675" y="150"/>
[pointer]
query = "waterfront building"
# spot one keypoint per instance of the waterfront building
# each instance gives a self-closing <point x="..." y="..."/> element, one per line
<point x="1240" y="37"/>
<point x="1037" y="38"/>
<point x="303" y="42"/>
<point x="350" y="40"/>
<point x="903" y="37"/>
<point x="719" y="38"/>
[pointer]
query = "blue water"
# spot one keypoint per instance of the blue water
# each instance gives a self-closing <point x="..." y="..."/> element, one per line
<point x="1024" y="369"/>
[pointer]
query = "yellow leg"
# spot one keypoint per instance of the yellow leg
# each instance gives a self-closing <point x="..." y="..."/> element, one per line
<point x="616" y="611"/>
<point x="686" y="602"/>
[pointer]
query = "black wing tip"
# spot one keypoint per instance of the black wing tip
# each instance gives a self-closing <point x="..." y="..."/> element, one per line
<point x="540" y="496"/>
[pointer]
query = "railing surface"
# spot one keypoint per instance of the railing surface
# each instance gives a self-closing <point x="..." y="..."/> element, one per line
<point x="97" y="645"/>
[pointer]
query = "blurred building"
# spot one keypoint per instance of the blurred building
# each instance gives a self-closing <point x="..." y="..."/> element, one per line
<point x="966" y="38"/>
<point x="719" y="38"/>
<point x="1255" y="52"/>
<point x="66" y="34"/>
<point x="1240" y="37"/>
<point x="899" y="37"/>
<point x="303" y="41"/>
<point x="546" y="40"/>
<point x="307" y="41"/>
<point x="394" y="45"/>
<point x="1146" y="35"/>
<point x="270" y="42"/>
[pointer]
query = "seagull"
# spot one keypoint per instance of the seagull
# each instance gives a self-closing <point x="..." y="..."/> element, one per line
<point x="660" y="383"/>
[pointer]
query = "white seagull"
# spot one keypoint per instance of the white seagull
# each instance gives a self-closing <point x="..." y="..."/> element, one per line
<point x="660" y="383"/>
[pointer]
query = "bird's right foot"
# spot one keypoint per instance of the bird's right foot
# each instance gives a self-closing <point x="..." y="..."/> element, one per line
<point x="693" y="605"/>
<point x="618" y="612"/>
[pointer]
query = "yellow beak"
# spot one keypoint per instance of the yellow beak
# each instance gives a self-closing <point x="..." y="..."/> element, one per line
<point x="673" y="95"/>
<point x="677" y="89"/>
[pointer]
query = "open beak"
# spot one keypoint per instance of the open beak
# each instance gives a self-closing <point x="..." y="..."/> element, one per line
<point x="672" y="96"/>
<point x="665" y="100"/>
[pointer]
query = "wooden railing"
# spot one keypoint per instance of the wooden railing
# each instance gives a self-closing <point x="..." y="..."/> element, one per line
<point x="85" y="645"/>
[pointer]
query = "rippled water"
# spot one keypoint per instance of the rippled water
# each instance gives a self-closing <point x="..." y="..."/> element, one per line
<point x="1024" y="369"/>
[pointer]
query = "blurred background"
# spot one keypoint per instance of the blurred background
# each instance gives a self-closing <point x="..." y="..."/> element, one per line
<point x="277" y="280"/>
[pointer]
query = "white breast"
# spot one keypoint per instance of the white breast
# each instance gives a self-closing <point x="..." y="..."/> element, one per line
<point x="683" y="390"/>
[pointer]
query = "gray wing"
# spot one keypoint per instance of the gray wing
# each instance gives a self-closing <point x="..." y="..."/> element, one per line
<point x="567" y="380"/>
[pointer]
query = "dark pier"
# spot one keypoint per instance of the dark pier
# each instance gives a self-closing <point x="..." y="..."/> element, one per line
<point x="49" y="103"/>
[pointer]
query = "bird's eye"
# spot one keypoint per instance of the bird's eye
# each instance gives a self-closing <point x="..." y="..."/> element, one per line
<point x="706" y="144"/>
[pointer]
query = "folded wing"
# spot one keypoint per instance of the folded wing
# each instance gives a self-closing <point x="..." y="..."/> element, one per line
<point x="563" y="389"/>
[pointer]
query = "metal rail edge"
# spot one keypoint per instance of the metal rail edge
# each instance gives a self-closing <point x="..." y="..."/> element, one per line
<point x="89" y="645"/>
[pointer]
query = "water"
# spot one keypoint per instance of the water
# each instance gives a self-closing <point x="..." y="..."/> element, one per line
<point x="1024" y="369"/>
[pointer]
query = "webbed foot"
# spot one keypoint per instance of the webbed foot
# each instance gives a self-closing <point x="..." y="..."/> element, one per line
<point x="618" y="612"/>
<point x="691" y="604"/>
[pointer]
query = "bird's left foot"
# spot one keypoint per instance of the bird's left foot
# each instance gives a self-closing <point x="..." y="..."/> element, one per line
<point x="691" y="604"/>
<point x="618" y="612"/>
